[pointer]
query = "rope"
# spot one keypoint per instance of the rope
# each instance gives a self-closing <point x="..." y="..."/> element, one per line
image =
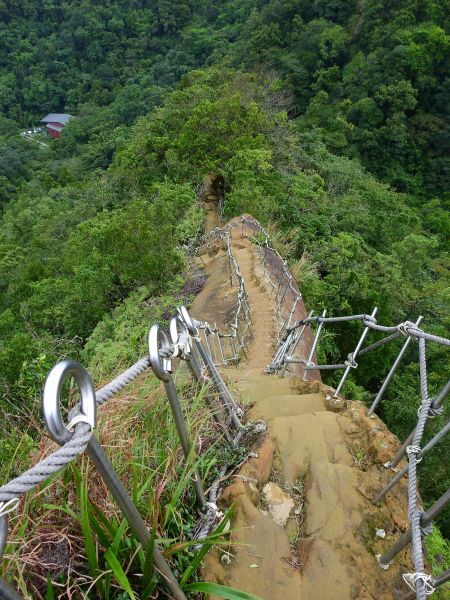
<point x="411" y="580"/>
<point x="31" y="478"/>
<point x="117" y="384"/>
<point x="414" y="513"/>
<point x="46" y="467"/>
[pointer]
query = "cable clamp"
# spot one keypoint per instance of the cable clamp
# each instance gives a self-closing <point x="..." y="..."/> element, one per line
<point x="411" y="580"/>
<point x="414" y="449"/>
<point x="427" y="529"/>
<point x="9" y="506"/>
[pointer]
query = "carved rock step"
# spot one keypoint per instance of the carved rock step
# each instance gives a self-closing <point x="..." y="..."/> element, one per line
<point x="309" y="438"/>
<point x="270" y="407"/>
<point x="333" y="552"/>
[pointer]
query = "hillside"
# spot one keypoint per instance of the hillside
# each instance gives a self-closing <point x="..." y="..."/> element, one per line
<point x="327" y="121"/>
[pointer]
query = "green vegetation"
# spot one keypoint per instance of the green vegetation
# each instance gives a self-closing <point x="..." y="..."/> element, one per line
<point x="328" y="119"/>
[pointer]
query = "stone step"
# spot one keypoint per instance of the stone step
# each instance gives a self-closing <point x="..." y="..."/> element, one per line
<point x="309" y="438"/>
<point x="287" y="405"/>
<point x="332" y="551"/>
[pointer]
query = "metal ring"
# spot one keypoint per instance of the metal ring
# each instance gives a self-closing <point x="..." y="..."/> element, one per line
<point x="186" y="318"/>
<point x="159" y="340"/>
<point x="51" y="398"/>
<point x="179" y="335"/>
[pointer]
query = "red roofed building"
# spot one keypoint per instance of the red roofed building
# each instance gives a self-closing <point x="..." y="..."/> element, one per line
<point x="55" y="123"/>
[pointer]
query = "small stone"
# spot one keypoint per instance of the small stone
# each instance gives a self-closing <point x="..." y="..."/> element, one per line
<point x="278" y="502"/>
<point x="380" y="533"/>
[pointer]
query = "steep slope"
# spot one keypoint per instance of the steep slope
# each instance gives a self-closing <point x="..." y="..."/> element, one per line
<point x="304" y="525"/>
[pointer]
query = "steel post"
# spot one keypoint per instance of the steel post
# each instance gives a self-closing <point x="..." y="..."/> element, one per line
<point x="228" y="399"/>
<point x="427" y="518"/>
<point x="314" y="346"/>
<point x="355" y="354"/>
<point x="119" y="493"/>
<point x="437" y="438"/>
<point x="391" y="372"/>
<point x="201" y="380"/>
<point x="436" y="405"/>
<point x="3" y="534"/>
<point x="7" y="592"/>
<point x="296" y="343"/>
<point x="186" y="445"/>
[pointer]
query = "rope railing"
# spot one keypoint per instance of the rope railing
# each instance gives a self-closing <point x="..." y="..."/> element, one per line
<point x="287" y="344"/>
<point x="226" y="345"/>
<point x="421" y="583"/>
<point x="183" y="341"/>
<point x="420" y="521"/>
<point x="203" y="347"/>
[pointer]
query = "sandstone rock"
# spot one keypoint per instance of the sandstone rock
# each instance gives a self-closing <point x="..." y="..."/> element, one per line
<point x="279" y="503"/>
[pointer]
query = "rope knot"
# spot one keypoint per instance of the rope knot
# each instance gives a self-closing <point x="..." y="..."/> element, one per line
<point x="369" y="319"/>
<point x="414" y="449"/>
<point x="435" y="412"/>
<point x="404" y="328"/>
<point x="350" y="362"/>
<point x="411" y="580"/>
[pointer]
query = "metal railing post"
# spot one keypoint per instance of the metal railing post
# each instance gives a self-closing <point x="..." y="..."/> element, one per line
<point x="58" y="431"/>
<point x="355" y="354"/>
<point x="391" y="372"/>
<point x="228" y="399"/>
<point x="296" y="343"/>
<point x="426" y="518"/>
<point x="7" y="592"/>
<point x="180" y="337"/>
<point x="3" y="534"/>
<point x="436" y="405"/>
<point x="314" y="346"/>
<point x="437" y="438"/>
<point x="115" y="486"/>
<point x="158" y="342"/>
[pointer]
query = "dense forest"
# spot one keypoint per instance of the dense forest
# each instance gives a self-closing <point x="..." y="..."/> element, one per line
<point x="327" y="119"/>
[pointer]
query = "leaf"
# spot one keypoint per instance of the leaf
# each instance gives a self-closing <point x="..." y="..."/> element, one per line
<point x="147" y="582"/>
<point x="91" y="553"/>
<point x="219" y="590"/>
<point x="119" y="573"/>
<point x="206" y="545"/>
<point x="50" y="595"/>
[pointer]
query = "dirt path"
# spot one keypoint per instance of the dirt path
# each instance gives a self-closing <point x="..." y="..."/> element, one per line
<point x="304" y="526"/>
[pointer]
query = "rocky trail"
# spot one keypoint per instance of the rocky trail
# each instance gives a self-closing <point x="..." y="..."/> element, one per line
<point x="304" y="526"/>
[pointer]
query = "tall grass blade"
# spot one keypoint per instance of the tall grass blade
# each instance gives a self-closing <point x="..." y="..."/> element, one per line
<point x="50" y="594"/>
<point x="119" y="573"/>
<point x="148" y="585"/>
<point x="89" y="545"/>
<point x="220" y="590"/>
